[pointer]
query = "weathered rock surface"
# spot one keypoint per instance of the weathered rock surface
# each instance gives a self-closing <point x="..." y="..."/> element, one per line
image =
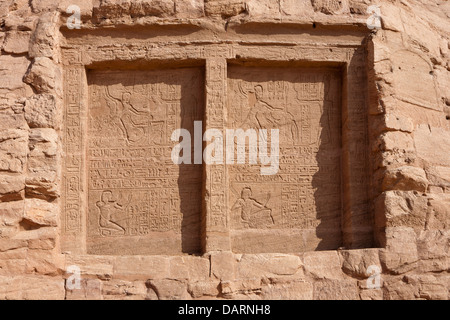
<point x="366" y="187"/>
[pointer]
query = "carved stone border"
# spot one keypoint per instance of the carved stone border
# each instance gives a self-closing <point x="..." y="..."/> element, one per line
<point x="357" y="222"/>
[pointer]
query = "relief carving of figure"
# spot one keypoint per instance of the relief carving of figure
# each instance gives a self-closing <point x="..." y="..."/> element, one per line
<point x="108" y="206"/>
<point x="266" y="116"/>
<point x="253" y="213"/>
<point x="134" y="118"/>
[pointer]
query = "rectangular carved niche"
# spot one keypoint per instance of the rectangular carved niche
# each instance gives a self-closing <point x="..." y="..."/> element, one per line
<point x="139" y="202"/>
<point x="300" y="207"/>
<point x="122" y="194"/>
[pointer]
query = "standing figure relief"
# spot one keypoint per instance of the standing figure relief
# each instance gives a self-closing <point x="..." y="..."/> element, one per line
<point x="266" y="116"/>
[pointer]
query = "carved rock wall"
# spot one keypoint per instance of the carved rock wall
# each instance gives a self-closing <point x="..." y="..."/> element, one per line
<point x="404" y="228"/>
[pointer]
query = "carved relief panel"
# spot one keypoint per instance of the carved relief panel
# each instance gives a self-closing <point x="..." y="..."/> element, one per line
<point x="304" y="197"/>
<point x="139" y="202"/>
<point x="122" y="193"/>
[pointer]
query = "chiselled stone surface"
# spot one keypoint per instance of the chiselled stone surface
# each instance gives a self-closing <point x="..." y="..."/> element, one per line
<point x="126" y="196"/>
<point x="354" y="206"/>
<point x="281" y="209"/>
<point x="138" y="201"/>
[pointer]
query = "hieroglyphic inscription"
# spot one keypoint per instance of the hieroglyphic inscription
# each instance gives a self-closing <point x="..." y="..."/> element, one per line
<point x="216" y="94"/>
<point x="73" y="143"/>
<point x="119" y="160"/>
<point x="134" y="188"/>
<point x="304" y="104"/>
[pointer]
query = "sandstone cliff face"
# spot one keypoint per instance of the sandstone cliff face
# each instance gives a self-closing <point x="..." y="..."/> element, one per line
<point x="406" y="238"/>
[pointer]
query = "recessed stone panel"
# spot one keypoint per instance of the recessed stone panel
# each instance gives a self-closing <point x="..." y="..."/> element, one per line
<point x="123" y="195"/>
<point x="139" y="201"/>
<point x="299" y="208"/>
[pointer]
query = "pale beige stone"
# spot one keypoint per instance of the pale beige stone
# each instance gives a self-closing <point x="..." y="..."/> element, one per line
<point x="41" y="238"/>
<point x="371" y="294"/>
<point x="4" y="7"/>
<point x="356" y="263"/>
<point x="13" y="262"/>
<point x="43" y="164"/>
<point x="203" y="288"/>
<point x="296" y="7"/>
<point x="13" y="149"/>
<point x="16" y="42"/>
<point x="168" y="289"/>
<point x="169" y="221"/>
<point x="189" y="8"/>
<point x="336" y="290"/>
<point x="90" y="289"/>
<point x="12" y="70"/>
<point x="433" y="250"/>
<point x="402" y="209"/>
<point x="43" y="141"/>
<point x="323" y="265"/>
<point x="331" y="6"/>
<point x="396" y="141"/>
<point x="439" y="217"/>
<point x="223" y="265"/>
<point x="41" y="213"/>
<point x="11" y="213"/>
<point x="20" y="19"/>
<point x="405" y="178"/>
<point x="269" y="265"/>
<point x="420" y="33"/>
<point x="293" y="290"/>
<point x="42" y="5"/>
<point x="41" y="111"/>
<point x="31" y="288"/>
<point x="189" y="267"/>
<point x="11" y="186"/>
<point x="44" y="262"/>
<point x="398" y="123"/>
<point x="11" y="244"/>
<point x="224" y="8"/>
<point x="401" y="254"/>
<point x="13" y="121"/>
<point x="42" y="185"/>
<point x="91" y="266"/>
<point x="44" y="75"/>
<point x="264" y="8"/>
<point x="412" y="79"/>
<point x="443" y="82"/>
<point x="256" y="217"/>
<point x="44" y="39"/>
<point x="367" y="115"/>
<point x="158" y="8"/>
<point x="118" y="8"/>
<point x="432" y="144"/>
<point x="397" y="289"/>
<point x="438" y="176"/>
<point x="429" y="287"/>
<point x="390" y="17"/>
<point x="86" y="7"/>
<point x="124" y="290"/>
<point x="141" y="267"/>
<point x="245" y="287"/>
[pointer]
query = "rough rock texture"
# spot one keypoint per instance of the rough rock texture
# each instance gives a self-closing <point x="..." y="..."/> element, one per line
<point x="407" y="149"/>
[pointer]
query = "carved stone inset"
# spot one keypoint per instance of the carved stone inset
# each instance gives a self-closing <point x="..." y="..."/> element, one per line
<point x="299" y="208"/>
<point x="139" y="202"/>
